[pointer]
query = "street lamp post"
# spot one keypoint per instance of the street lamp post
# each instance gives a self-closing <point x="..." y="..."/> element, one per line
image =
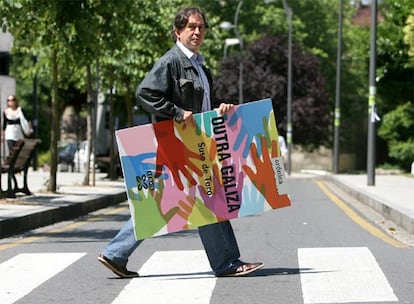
<point x="229" y="42"/>
<point x="227" y="26"/>
<point x="289" y="99"/>
<point x="337" y="122"/>
<point x="35" y="121"/>
<point x="288" y="12"/>
<point x="372" y="116"/>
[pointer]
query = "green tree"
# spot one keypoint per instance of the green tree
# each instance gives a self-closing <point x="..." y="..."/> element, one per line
<point x="35" y="31"/>
<point x="397" y="129"/>
<point x="83" y="35"/>
<point x="145" y="35"/>
<point x="409" y="36"/>
<point x="266" y="76"/>
<point x="118" y="42"/>
<point x="315" y="26"/>
<point x="395" y="74"/>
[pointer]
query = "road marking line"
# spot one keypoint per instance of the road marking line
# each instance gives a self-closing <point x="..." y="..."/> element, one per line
<point x="359" y="220"/>
<point x="341" y="275"/>
<point x="24" y="272"/>
<point x="172" y="277"/>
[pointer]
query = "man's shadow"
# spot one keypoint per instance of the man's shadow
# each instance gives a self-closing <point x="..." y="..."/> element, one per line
<point x="264" y="272"/>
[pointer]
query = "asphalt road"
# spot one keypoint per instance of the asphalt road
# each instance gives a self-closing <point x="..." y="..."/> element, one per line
<point x="316" y="251"/>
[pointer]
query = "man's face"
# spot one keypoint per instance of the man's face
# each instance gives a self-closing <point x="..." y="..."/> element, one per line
<point x="192" y="36"/>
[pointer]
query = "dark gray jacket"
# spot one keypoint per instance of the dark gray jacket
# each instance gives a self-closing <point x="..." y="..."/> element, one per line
<point x="172" y="86"/>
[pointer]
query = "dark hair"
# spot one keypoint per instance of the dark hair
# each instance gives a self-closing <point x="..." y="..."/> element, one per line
<point x="181" y="19"/>
<point x="13" y="97"/>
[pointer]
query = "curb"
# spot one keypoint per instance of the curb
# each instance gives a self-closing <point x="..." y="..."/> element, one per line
<point x="61" y="209"/>
<point x="402" y="220"/>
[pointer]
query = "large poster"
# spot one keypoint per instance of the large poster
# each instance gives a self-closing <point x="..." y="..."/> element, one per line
<point x="180" y="177"/>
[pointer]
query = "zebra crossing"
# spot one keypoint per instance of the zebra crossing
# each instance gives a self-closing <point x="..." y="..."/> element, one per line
<point x="190" y="281"/>
<point x="327" y="275"/>
<point x="35" y="268"/>
<point x="342" y="275"/>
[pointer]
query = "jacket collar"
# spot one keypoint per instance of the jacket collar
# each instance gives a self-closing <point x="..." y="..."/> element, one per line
<point x="182" y="57"/>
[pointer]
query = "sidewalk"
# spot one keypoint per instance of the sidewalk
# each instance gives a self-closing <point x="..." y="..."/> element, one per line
<point x="392" y="196"/>
<point x="44" y="208"/>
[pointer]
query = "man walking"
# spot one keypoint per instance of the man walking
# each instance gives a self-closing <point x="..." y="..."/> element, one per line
<point x="178" y="86"/>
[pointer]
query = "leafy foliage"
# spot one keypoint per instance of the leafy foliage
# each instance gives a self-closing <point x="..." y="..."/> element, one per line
<point x="265" y="66"/>
<point x="409" y="35"/>
<point x="120" y="41"/>
<point x="397" y="129"/>
<point x="395" y="85"/>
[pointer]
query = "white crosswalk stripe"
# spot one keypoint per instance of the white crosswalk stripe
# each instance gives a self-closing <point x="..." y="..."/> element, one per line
<point x="24" y="272"/>
<point x="185" y="275"/>
<point x="342" y="275"/>
<point x="327" y="275"/>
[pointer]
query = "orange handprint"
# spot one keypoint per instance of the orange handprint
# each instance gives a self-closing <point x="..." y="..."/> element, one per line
<point x="196" y="213"/>
<point x="264" y="178"/>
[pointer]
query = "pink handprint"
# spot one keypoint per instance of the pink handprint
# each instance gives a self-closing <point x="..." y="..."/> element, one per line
<point x="171" y="198"/>
<point x="218" y="201"/>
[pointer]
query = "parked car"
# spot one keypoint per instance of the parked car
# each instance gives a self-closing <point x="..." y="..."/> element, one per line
<point x="66" y="157"/>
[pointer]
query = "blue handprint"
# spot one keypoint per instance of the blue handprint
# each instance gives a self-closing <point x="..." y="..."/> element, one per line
<point x="134" y="166"/>
<point x="206" y="119"/>
<point x="251" y="130"/>
<point x="253" y="203"/>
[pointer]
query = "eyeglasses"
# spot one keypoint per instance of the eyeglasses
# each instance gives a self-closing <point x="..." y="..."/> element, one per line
<point x="192" y="27"/>
<point x="11" y="99"/>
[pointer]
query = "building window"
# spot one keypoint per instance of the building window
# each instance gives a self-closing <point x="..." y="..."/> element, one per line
<point x="4" y="63"/>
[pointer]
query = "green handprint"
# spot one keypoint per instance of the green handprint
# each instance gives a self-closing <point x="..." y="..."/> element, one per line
<point x="196" y="213"/>
<point x="270" y="128"/>
<point x="147" y="212"/>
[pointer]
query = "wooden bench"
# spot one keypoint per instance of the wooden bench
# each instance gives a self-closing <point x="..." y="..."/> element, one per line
<point x="19" y="161"/>
<point x="8" y="167"/>
<point x="106" y="161"/>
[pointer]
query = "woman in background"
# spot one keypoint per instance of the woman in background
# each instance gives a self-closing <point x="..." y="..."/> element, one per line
<point x="15" y="124"/>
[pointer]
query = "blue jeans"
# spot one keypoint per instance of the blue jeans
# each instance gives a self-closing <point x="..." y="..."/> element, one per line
<point x="218" y="240"/>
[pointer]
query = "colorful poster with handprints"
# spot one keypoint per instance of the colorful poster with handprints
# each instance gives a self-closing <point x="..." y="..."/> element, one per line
<point x="220" y="168"/>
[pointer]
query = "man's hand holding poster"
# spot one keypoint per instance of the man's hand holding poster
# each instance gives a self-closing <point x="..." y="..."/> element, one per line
<point x="180" y="176"/>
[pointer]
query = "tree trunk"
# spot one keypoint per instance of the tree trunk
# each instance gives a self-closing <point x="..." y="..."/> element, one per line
<point x="54" y="132"/>
<point x="89" y="123"/>
<point x="112" y="156"/>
